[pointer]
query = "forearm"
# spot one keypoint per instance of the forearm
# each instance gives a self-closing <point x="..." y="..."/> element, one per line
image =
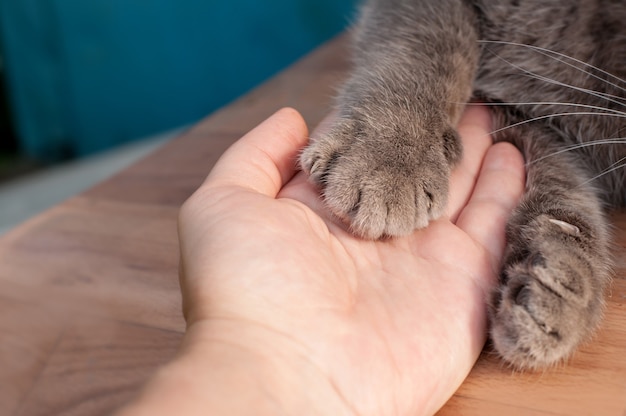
<point x="217" y="376"/>
<point x="421" y="55"/>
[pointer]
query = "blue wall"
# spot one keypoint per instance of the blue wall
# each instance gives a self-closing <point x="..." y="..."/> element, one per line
<point x="84" y="75"/>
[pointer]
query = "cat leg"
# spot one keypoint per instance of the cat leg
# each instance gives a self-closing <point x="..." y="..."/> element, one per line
<point x="384" y="165"/>
<point x="557" y="263"/>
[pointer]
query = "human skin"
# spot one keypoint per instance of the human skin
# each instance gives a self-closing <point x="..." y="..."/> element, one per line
<point x="289" y="313"/>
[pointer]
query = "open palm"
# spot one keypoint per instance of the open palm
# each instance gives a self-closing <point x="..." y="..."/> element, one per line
<point x="393" y="325"/>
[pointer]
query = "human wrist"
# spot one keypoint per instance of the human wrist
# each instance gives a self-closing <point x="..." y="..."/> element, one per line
<point x="239" y="369"/>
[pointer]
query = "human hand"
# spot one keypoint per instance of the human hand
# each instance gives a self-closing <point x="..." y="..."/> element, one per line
<point x="279" y="297"/>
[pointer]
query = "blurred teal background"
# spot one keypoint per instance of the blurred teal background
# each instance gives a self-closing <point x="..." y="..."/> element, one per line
<point x="85" y="75"/>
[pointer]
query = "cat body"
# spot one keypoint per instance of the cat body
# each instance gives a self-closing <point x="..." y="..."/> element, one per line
<point x="553" y="74"/>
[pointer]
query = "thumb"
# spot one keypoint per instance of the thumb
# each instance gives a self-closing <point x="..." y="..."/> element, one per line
<point x="264" y="159"/>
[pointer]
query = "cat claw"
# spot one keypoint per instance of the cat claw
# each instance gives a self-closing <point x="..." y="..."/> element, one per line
<point x="566" y="227"/>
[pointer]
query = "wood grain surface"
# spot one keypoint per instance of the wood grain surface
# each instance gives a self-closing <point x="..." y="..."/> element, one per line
<point x="89" y="300"/>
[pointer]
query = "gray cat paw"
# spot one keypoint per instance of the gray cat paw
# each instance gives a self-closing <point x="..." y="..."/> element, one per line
<point x="380" y="183"/>
<point x="550" y="298"/>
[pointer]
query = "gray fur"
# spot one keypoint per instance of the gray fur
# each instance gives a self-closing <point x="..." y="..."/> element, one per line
<point x="385" y="164"/>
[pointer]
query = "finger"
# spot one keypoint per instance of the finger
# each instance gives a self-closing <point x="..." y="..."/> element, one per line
<point x="474" y="129"/>
<point x="497" y="191"/>
<point x="265" y="158"/>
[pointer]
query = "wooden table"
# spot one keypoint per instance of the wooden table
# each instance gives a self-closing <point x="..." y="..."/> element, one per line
<point x="89" y="300"/>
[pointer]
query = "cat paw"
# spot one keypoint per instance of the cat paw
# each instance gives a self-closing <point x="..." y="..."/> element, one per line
<point x="550" y="294"/>
<point x="379" y="181"/>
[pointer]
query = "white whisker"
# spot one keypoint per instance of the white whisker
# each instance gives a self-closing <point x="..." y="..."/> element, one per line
<point x="548" y="52"/>
<point x="605" y="96"/>
<point x="612" y="98"/>
<point x="615" y="166"/>
<point x="592" y="107"/>
<point x="618" y="140"/>
<point x="575" y="113"/>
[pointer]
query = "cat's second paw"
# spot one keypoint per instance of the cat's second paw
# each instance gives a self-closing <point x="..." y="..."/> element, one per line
<point x="550" y="295"/>
<point x="380" y="180"/>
